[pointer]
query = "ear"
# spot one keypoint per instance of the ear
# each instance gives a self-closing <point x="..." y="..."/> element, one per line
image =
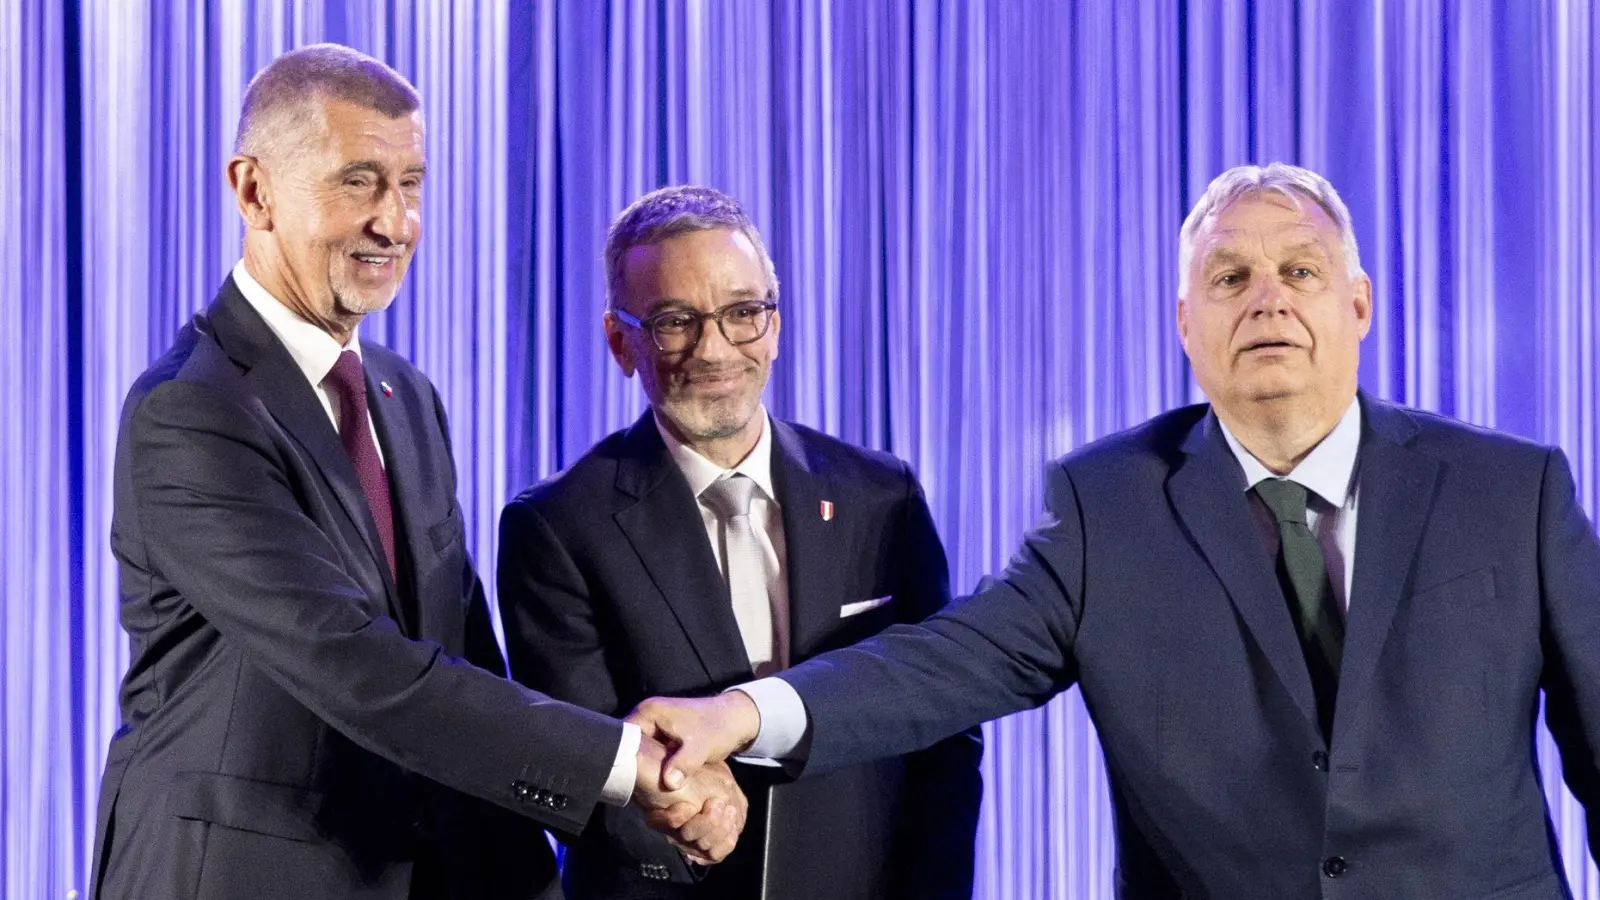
<point x="617" y="340"/>
<point x="1183" y="323"/>
<point x="775" y="329"/>
<point x="1363" y="304"/>
<point x="251" y="192"/>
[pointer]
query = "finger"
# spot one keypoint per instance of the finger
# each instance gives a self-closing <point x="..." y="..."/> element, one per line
<point x="672" y="818"/>
<point x="700" y="830"/>
<point x="680" y="814"/>
<point x="683" y="761"/>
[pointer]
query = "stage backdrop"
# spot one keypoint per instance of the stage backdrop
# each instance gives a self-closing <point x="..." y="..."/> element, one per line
<point x="973" y="207"/>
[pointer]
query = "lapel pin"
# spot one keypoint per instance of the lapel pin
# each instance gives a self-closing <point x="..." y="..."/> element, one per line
<point x="387" y="391"/>
<point x="827" y="510"/>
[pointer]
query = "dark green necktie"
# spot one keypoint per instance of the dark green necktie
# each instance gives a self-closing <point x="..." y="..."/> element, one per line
<point x="1304" y="576"/>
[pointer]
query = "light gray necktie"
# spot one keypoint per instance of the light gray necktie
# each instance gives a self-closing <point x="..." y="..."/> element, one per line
<point x="729" y="499"/>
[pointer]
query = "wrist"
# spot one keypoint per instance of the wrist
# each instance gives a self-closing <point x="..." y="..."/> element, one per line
<point x="745" y="716"/>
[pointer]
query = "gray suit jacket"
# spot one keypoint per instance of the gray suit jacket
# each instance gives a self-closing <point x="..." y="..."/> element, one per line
<point x="1477" y="586"/>
<point x="297" y="722"/>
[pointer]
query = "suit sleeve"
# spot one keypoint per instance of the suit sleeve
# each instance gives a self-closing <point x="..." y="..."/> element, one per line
<point x="223" y="523"/>
<point x="936" y="824"/>
<point x="1569" y="564"/>
<point x="1004" y="649"/>
<point x="556" y="643"/>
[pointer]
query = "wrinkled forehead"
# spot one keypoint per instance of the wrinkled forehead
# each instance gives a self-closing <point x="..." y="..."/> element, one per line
<point x="1267" y="219"/>
<point x="355" y="133"/>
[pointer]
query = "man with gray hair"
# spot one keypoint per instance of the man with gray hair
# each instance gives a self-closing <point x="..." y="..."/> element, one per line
<point x="711" y="542"/>
<point x="316" y="706"/>
<point x="1312" y="628"/>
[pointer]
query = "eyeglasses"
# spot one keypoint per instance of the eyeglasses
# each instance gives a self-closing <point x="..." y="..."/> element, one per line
<point x="677" y="331"/>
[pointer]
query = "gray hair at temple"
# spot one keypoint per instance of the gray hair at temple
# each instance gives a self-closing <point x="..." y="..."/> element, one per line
<point x="278" y="100"/>
<point x="668" y="212"/>
<point x="1292" y="182"/>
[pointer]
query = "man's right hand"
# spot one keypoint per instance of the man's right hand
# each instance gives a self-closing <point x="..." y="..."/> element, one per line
<point x="703" y="818"/>
<point x="697" y="731"/>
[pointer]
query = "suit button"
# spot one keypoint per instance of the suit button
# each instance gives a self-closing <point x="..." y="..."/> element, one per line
<point x="558" y="802"/>
<point x="522" y="791"/>
<point x="1334" y="866"/>
<point x="1319" y="761"/>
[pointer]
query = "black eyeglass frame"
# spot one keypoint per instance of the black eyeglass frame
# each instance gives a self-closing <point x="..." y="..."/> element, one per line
<point x="648" y="324"/>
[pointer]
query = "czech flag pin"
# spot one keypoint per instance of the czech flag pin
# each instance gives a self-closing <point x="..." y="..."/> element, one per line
<point x="387" y="391"/>
<point x="827" y="510"/>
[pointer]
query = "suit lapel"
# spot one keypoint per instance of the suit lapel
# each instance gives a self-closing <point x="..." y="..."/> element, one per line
<point x="397" y="415"/>
<point x="814" y="552"/>
<point x="282" y="388"/>
<point x="1397" y="487"/>
<point x="661" y="520"/>
<point x="1208" y="494"/>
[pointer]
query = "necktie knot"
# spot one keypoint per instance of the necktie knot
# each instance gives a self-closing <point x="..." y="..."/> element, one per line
<point x="729" y="497"/>
<point x="1285" y="498"/>
<point x="347" y="380"/>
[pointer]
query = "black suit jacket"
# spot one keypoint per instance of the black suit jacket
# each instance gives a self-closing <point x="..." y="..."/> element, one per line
<point x="1476" y="585"/>
<point x="295" y="722"/>
<point x="610" y="594"/>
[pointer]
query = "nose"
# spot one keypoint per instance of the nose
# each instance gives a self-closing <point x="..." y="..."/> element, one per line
<point x="396" y="220"/>
<point x="713" y="346"/>
<point x="1269" y="298"/>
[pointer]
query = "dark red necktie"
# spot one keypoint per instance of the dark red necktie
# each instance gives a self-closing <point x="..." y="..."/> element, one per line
<point x="350" y="385"/>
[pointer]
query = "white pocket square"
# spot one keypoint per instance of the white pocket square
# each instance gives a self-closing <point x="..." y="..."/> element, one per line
<point x="859" y="607"/>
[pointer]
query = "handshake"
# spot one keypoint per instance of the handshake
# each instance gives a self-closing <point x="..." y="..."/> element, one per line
<point x="683" y="783"/>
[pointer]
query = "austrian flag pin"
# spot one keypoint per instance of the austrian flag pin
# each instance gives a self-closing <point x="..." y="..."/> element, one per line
<point x="827" y="510"/>
<point x="387" y="391"/>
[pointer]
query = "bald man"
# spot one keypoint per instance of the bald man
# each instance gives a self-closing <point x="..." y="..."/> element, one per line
<point x="316" y="707"/>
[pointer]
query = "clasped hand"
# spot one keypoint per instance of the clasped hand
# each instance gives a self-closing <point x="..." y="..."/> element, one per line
<point x="683" y="781"/>
<point x="701" y="815"/>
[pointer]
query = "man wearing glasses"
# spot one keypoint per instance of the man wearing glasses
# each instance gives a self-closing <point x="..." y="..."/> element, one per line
<point x="710" y="543"/>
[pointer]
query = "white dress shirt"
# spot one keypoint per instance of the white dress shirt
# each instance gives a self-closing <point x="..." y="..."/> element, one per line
<point x="315" y="351"/>
<point x="766" y="520"/>
<point x="1328" y="472"/>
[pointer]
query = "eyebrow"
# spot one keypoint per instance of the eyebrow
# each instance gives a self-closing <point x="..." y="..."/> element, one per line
<point x="1225" y="255"/>
<point x="367" y="165"/>
<point x="662" y="304"/>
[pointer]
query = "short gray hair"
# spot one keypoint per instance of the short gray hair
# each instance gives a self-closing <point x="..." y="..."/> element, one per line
<point x="668" y="212"/>
<point x="276" y="99"/>
<point x="1292" y="182"/>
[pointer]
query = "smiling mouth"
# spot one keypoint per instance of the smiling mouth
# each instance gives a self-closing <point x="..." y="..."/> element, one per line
<point x="373" y="259"/>
<point x="713" y="379"/>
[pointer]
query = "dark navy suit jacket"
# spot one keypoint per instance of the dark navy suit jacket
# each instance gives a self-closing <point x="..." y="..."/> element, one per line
<point x="296" y="721"/>
<point x="610" y="594"/>
<point x="1476" y="587"/>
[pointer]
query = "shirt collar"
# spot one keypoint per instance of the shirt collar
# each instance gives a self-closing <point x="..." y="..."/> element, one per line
<point x="701" y="472"/>
<point x="1327" y="471"/>
<point x="313" y="350"/>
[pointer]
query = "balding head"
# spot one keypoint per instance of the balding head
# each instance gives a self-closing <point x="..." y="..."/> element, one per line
<point x="291" y="90"/>
<point x="328" y="176"/>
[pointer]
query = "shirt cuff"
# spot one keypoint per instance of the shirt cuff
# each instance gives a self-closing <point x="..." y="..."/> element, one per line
<point x="618" y="790"/>
<point x="785" y="731"/>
